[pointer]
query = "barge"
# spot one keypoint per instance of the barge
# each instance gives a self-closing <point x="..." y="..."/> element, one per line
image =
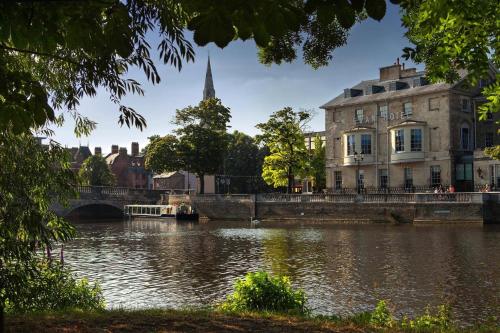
<point x="180" y="212"/>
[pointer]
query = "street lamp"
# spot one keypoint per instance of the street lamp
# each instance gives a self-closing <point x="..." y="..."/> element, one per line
<point x="358" y="158"/>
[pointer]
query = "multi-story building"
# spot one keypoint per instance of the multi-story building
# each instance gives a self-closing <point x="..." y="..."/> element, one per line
<point x="400" y="131"/>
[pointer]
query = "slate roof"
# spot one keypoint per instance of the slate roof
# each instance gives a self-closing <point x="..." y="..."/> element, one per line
<point x="340" y="100"/>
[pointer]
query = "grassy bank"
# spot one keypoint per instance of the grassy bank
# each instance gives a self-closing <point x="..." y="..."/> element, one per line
<point x="204" y="320"/>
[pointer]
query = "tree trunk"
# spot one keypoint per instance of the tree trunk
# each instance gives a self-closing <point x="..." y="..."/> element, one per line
<point x="202" y="183"/>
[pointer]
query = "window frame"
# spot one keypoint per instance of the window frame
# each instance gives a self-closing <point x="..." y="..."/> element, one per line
<point x="366" y="149"/>
<point x="488" y="139"/>
<point x="337" y="178"/>
<point x="405" y="113"/>
<point x="433" y="178"/>
<point x="359" y="116"/>
<point x="408" y="177"/>
<point x="413" y="141"/>
<point x="401" y="142"/>
<point x="462" y="137"/>
<point x="349" y="152"/>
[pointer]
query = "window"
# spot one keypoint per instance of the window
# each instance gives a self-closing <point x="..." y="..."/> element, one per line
<point x="361" y="179"/>
<point x="400" y="140"/>
<point x="338" y="180"/>
<point x="351" y="146"/>
<point x="416" y="139"/>
<point x="463" y="171"/>
<point x="465" y="105"/>
<point x="407" y="109"/>
<point x="488" y="139"/>
<point x="359" y="115"/>
<point x="408" y="177"/>
<point x="382" y="111"/>
<point x="434" y="104"/>
<point x="464" y="137"/>
<point x="435" y="175"/>
<point x="384" y="179"/>
<point x="366" y="144"/>
<point x="489" y="116"/>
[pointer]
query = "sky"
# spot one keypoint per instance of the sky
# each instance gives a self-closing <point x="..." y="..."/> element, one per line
<point x="251" y="90"/>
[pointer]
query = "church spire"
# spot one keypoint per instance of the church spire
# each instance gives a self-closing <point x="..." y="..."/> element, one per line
<point x="208" y="91"/>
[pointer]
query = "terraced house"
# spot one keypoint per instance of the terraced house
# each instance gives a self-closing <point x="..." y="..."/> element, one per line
<point x="399" y="131"/>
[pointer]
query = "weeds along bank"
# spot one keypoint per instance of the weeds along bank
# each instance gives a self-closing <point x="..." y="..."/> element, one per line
<point x="260" y="302"/>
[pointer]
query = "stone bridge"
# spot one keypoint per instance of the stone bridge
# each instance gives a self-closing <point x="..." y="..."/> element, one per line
<point x="105" y="202"/>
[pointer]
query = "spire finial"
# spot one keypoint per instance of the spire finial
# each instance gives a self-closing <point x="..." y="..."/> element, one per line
<point x="209" y="90"/>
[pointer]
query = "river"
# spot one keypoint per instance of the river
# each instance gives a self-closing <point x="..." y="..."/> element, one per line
<point x="342" y="268"/>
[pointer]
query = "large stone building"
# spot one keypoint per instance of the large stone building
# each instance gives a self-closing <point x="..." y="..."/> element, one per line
<point x="400" y="131"/>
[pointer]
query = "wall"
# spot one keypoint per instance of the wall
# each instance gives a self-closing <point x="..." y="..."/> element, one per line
<point x="482" y="209"/>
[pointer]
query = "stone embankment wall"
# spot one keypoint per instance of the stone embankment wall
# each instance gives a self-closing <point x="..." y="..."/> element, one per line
<point x="419" y="209"/>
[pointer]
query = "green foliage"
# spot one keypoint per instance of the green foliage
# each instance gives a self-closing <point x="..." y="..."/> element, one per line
<point x="438" y="322"/>
<point x="318" y="164"/>
<point x="381" y="316"/>
<point x="288" y="156"/>
<point x="32" y="177"/>
<point x="50" y="286"/>
<point x="261" y="292"/>
<point x="95" y="171"/>
<point x="162" y="154"/>
<point x="450" y="36"/>
<point x="53" y="54"/>
<point x="200" y="144"/>
<point x="243" y="161"/>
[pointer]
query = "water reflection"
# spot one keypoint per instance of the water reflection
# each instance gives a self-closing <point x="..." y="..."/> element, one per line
<point x="343" y="269"/>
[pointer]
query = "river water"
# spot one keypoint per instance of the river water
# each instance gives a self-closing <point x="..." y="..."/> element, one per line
<point x="342" y="268"/>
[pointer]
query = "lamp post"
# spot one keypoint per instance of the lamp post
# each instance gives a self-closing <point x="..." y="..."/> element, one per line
<point x="358" y="158"/>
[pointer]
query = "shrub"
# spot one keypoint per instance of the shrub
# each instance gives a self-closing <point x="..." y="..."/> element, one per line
<point x="441" y="321"/>
<point x="381" y="316"/>
<point x="260" y="291"/>
<point x="51" y="286"/>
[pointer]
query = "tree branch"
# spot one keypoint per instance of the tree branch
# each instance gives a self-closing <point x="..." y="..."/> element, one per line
<point x="42" y="54"/>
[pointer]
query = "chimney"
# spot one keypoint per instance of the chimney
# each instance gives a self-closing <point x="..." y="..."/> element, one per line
<point x="123" y="151"/>
<point x="392" y="72"/>
<point x="97" y="151"/>
<point x="114" y="149"/>
<point x="135" y="148"/>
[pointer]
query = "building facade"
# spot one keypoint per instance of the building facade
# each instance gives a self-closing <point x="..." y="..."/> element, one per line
<point x="399" y="131"/>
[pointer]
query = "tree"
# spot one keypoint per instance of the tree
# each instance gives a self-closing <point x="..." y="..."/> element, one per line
<point x="200" y="144"/>
<point x="54" y="53"/>
<point x="32" y="177"/>
<point x="452" y="36"/>
<point x="318" y="164"/>
<point x="95" y="171"/>
<point x="162" y="154"/>
<point x="202" y="137"/>
<point x="243" y="163"/>
<point x="283" y="135"/>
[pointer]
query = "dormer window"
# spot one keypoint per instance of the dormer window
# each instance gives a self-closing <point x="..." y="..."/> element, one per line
<point x="358" y="116"/>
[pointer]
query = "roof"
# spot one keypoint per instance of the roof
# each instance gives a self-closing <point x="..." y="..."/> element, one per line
<point x="82" y="153"/>
<point x="340" y="100"/>
<point x="166" y="174"/>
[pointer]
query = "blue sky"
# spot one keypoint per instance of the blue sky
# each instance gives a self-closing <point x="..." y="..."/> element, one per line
<point x="251" y="90"/>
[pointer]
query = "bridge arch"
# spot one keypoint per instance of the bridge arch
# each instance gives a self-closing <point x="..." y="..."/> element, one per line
<point x="94" y="210"/>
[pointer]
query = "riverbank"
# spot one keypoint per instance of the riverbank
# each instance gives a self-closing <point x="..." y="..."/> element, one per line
<point x="167" y="320"/>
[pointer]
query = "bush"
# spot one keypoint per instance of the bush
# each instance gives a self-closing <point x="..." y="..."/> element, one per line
<point x="441" y="321"/>
<point x="51" y="286"/>
<point x="260" y="291"/>
<point x="381" y="316"/>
